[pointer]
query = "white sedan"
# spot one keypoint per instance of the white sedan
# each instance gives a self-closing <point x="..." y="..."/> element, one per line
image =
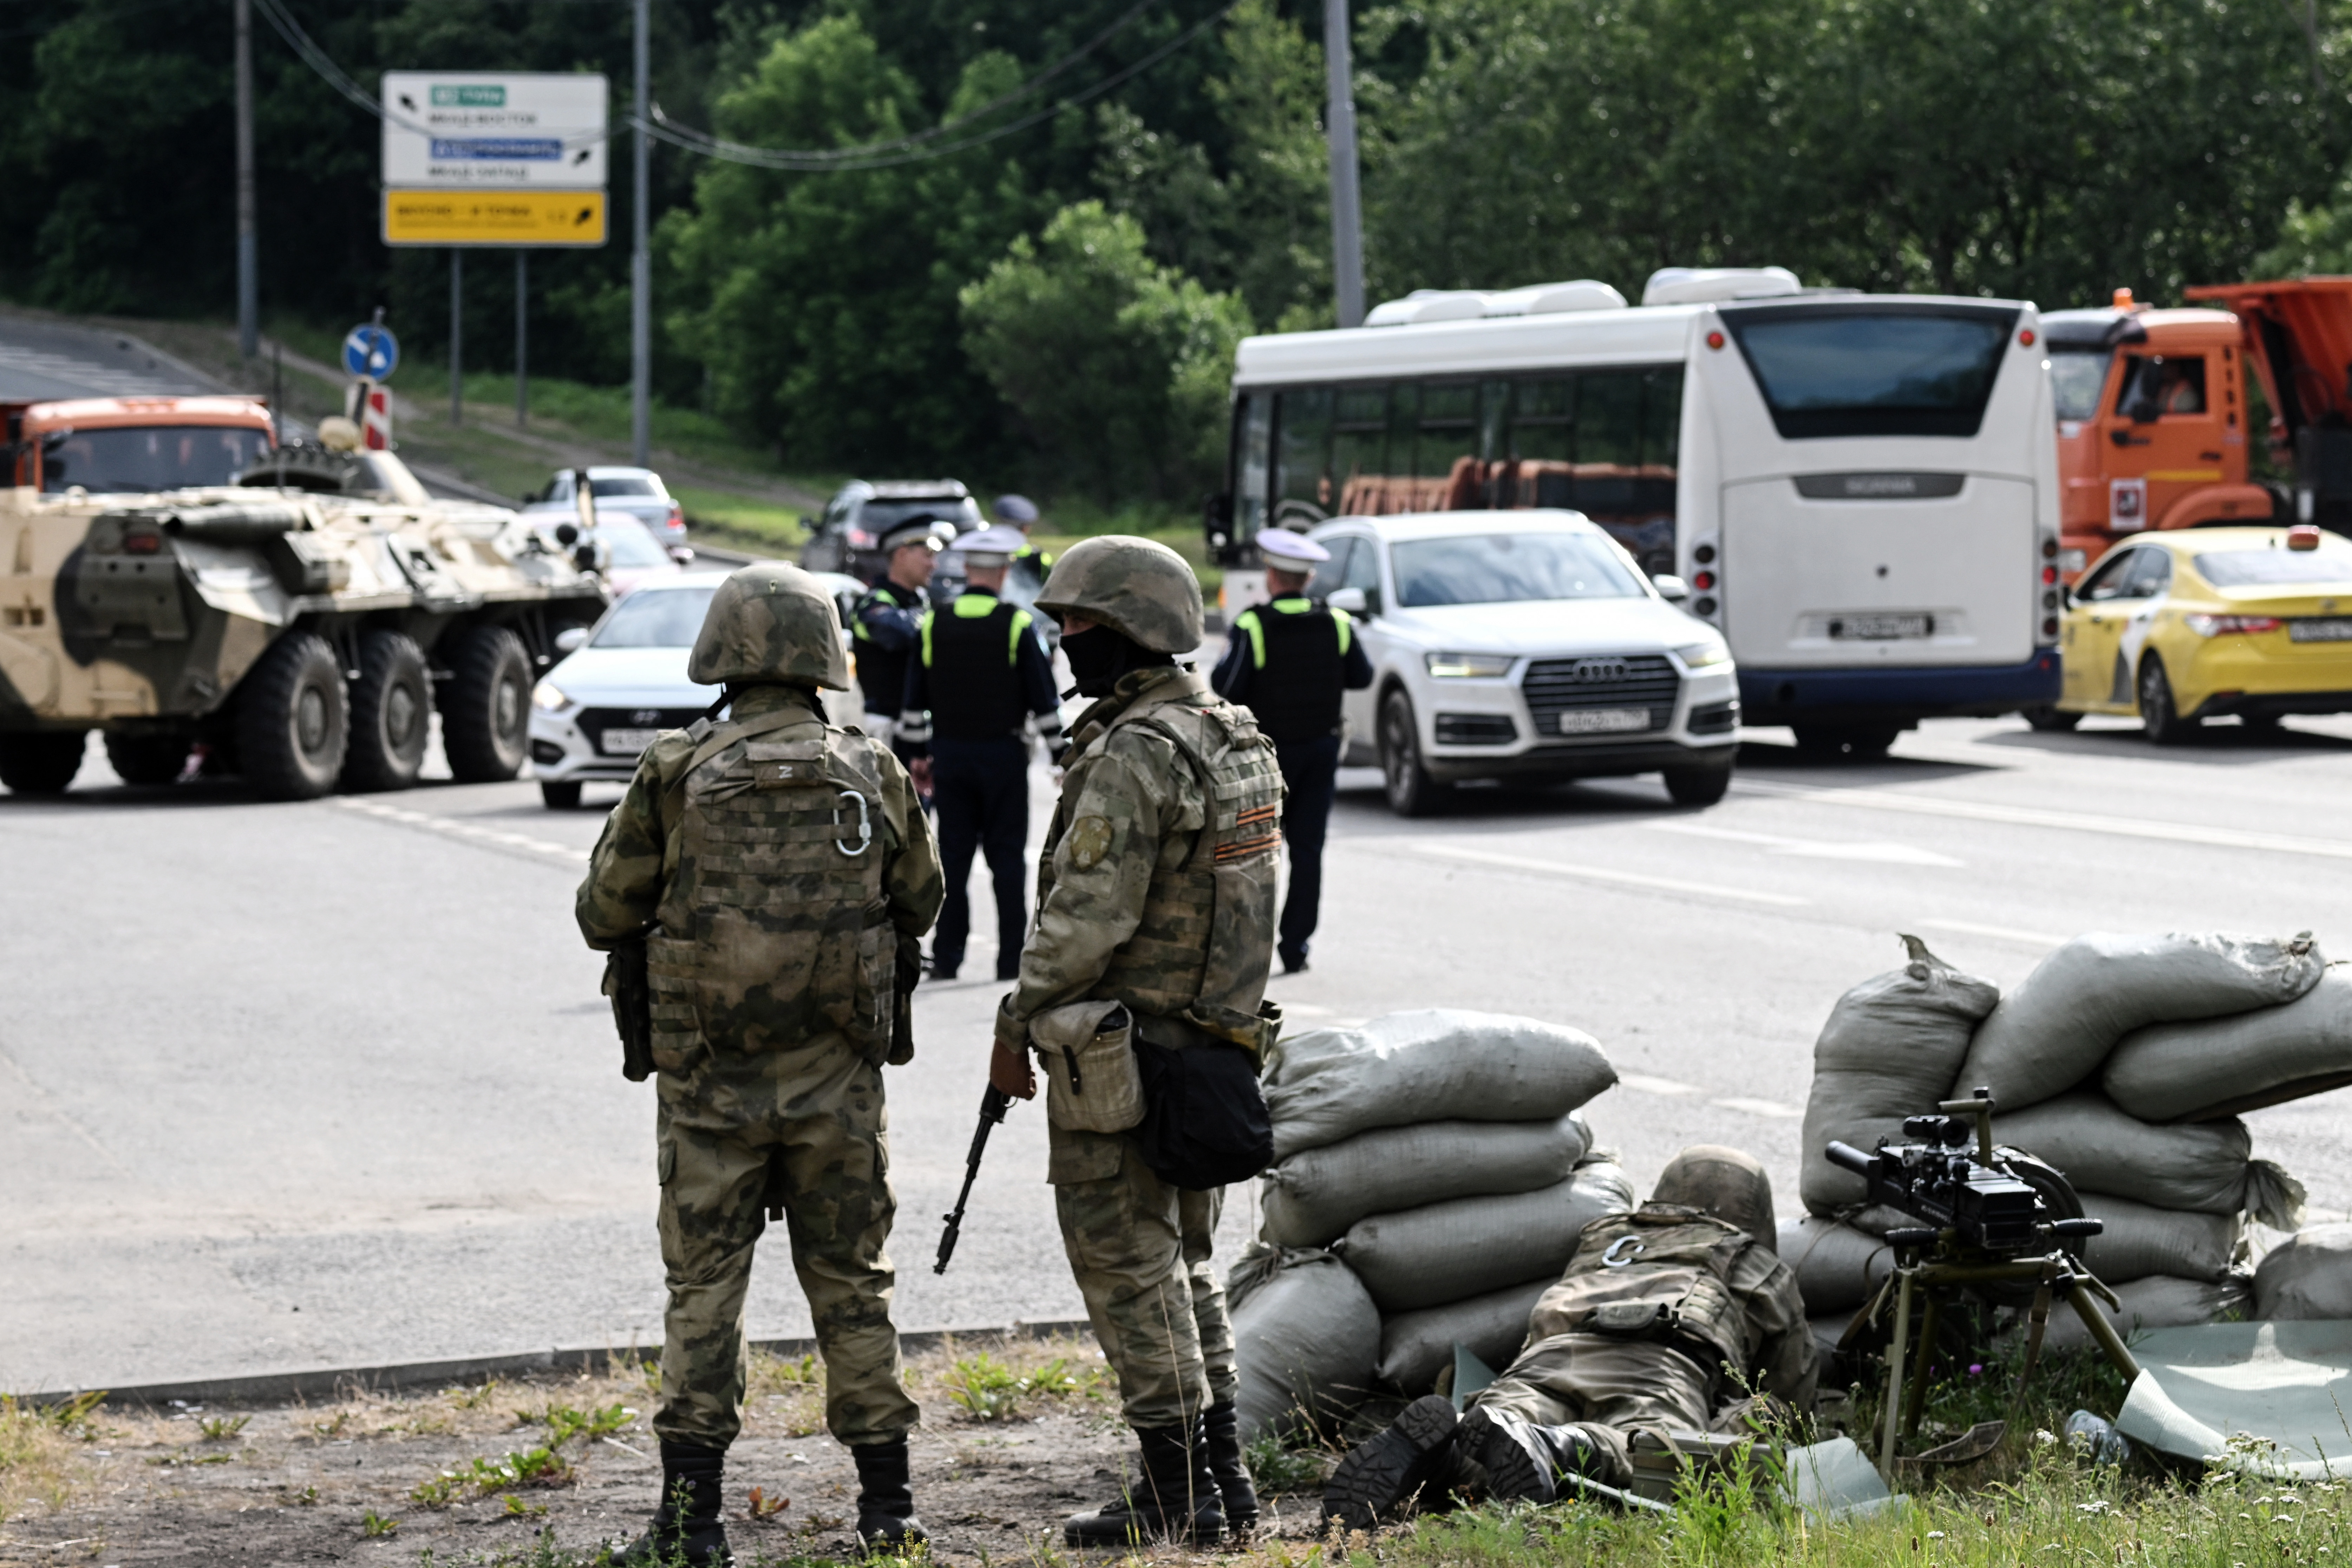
<point x="1524" y="644"/>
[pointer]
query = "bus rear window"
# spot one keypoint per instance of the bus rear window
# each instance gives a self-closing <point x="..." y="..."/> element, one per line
<point x="1828" y="370"/>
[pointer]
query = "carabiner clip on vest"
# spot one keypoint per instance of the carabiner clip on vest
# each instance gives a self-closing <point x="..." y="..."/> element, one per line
<point x="864" y="825"/>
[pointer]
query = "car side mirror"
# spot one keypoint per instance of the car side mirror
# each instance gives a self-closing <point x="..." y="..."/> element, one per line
<point x="572" y="639"/>
<point x="2141" y="411"/>
<point x="1353" y="600"/>
<point x="1670" y="588"/>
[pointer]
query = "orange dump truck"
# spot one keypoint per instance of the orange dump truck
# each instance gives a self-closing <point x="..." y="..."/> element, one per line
<point x="134" y="444"/>
<point x="2298" y="337"/>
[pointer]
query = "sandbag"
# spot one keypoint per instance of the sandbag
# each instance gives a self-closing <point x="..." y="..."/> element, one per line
<point x="1888" y="1051"/>
<point x="2194" y="1071"/>
<point x="2103" y="1150"/>
<point x="1305" y="1340"/>
<point x="2056" y="1028"/>
<point x="1311" y="1198"/>
<point x="1416" y="1346"/>
<point x="1837" y="1265"/>
<point x="2140" y="1241"/>
<point x="1437" y="1064"/>
<point x="2159" y="1301"/>
<point x="1445" y="1252"/>
<point x="2309" y="1275"/>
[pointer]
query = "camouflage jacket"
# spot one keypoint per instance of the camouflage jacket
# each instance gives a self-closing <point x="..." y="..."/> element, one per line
<point x="730" y="958"/>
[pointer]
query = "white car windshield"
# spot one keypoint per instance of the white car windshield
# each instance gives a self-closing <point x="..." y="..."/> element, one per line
<point x="1502" y="568"/>
<point x="656" y="617"/>
<point x="633" y="547"/>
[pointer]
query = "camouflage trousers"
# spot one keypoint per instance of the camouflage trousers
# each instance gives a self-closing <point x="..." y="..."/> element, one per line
<point x="1139" y="1250"/>
<point x="806" y="1129"/>
<point x="1610" y="1387"/>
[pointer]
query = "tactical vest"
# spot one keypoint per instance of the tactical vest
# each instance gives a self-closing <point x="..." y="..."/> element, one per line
<point x="1660" y="1273"/>
<point x="1300" y="655"/>
<point x="882" y="671"/>
<point x="774" y="931"/>
<point x="973" y="650"/>
<point x="1205" y="943"/>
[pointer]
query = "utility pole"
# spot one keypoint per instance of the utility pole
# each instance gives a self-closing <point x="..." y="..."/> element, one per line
<point x="641" y="261"/>
<point x="522" y="337"/>
<point x="248" y="254"/>
<point x="456" y="336"/>
<point x="1347" y="205"/>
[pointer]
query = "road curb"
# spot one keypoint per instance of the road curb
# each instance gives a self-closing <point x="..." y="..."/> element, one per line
<point x="290" y="1384"/>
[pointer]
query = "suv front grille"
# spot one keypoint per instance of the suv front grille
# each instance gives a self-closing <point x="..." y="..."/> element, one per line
<point x="1556" y="688"/>
<point x="594" y="721"/>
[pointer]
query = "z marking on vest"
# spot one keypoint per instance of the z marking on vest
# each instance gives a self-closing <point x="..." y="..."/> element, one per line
<point x="1089" y="842"/>
<point x="1610" y="1259"/>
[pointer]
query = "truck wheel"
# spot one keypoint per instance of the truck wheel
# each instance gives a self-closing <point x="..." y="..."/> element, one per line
<point x="294" y="720"/>
<point x="1854" y="743"/>
<point x="1697" y="786"/>
<point x="485" y="717"/>
<point x="41" y="763"/>
<point x="391" y="710"/>
<point x="2158" y="714"/>
<point x="147" y="758"/>
<point x="1412" y="791"/>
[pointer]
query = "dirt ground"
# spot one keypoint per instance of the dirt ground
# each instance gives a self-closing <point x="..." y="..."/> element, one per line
<point x="1014" y="1437"/>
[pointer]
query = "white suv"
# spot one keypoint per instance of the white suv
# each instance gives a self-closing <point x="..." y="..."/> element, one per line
<point x="1524" y="643"/>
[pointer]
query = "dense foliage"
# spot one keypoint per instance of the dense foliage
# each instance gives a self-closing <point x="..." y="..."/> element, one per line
<point x="1051" y="305"/>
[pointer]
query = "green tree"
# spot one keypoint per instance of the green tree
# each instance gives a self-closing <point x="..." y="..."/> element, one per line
<point x="1116" y="366"/>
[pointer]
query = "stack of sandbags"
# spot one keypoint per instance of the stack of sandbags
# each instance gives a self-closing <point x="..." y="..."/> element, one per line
<point x="1305" y="1336"/>
<point x="2308" y="1276"/>
<point x="1436" y="1158"/>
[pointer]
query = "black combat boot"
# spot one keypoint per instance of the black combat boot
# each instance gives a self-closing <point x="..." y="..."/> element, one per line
<point x="1382" y="1472"/>
<point x="1221" y="1442"/>
<point x="1523" y="1461"/>
<point x="885" y="1498"/>
<point x="685" y="1528"/>
<point x="1175" y="1499"/>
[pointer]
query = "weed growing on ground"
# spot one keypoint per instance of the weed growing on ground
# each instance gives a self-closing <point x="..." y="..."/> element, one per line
<point x="531" y="1467"/>
<point x="221" y="1428"/>
<point x="991" y="1386"/>
<point x="1276" y="1468"/>
<point x="374" y="1525"/>
<point x="473" y="1398"/>
<point x="37" y="1449"/>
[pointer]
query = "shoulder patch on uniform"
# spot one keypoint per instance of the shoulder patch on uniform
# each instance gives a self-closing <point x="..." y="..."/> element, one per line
<point x="1089" y="842"/>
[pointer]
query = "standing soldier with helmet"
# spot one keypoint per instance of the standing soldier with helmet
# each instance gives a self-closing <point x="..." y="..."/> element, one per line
<point x="1142" y="990"/>
<point x="979" y="674"/>
<point x="1287" y="661"/>
<point x="886" y="621"/>
<point x="773" y="874"/>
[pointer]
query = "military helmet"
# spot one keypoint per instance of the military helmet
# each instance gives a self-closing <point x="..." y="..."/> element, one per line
<point x="770" y="622"/>
<point x="1723" y="1183"/>
<point x="1138" y="587"/>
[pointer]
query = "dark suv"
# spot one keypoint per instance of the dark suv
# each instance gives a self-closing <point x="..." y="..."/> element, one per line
<point x="848" y="537"/>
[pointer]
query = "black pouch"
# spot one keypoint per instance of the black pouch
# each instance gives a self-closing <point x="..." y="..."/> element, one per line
<point x="1205" y="1118"/>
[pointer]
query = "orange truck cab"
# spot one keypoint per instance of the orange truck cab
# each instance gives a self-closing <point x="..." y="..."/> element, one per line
<point x="2151" y="410"/>
<point x="2298" y="336"/>
<point x="134" y="444"/>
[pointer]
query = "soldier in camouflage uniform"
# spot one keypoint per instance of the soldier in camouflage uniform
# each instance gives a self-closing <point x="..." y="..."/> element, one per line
<point x="1155" y="913"/>
<point x="781" y="872"/>
<point x="1671" y="1323"/>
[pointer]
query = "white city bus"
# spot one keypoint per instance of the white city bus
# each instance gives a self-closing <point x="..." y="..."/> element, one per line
<point x="1861" y="490"/>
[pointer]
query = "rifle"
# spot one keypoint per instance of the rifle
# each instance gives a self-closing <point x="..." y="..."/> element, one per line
<point x="993" y="1107"/>
<point x="631" y="989"/>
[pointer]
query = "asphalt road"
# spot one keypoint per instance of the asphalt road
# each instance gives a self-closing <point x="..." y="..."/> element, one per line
<point x="332" y="1083"/>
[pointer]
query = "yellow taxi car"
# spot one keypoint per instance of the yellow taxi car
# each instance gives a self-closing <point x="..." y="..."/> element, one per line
<point x="2180" y="626"/>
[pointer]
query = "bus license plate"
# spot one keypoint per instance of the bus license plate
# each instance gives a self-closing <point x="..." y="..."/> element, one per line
<point x="1604" y="721"/>
<point x="2334" y="629"/>
<point x="1881" y="628"/>
<point x="628" y="742"/>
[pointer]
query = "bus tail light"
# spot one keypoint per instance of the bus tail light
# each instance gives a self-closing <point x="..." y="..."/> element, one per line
<point x="2049" y="628"/>
<point x="2025" y="337"/>
<point x="1715" y="340"/>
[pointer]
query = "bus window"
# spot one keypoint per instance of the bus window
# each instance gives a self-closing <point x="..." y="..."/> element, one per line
<point x="1360" y="445"/>
<point x="1256" y="419"/>
<point x="1447" y="449"/>
<point x="1830" y="371"/>
<point x="1302" y="474"/>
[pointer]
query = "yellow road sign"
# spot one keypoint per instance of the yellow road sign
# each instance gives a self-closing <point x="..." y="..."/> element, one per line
<point x="493" y="217"/>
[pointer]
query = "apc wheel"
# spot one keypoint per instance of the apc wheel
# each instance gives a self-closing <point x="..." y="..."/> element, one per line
<point x="1697" y="786"/>
<point x="147" y="758"/>
<point x="2051" y="721"/>
<point x="294" y="720"/>
<point x="2157" y="714"/>
<point x="43" y="762"/>
<point x="560" y="796"/>
<point x="1411" y="790"/>
<point x="392" y="710"/>
<point x="486" y="714"/>
<point x="1854" y="743"/>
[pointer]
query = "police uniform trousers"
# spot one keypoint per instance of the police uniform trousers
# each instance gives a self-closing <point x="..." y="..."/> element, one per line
<point x="979" y="790"/>
<point x="808" y="1127"/>
<point x="1139" y="1251"/>
<point x="1611" y="1387"/>
<point x="1310" y="771"/>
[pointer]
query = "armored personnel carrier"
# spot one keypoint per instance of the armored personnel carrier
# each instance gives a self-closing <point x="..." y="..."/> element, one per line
<point x="297" y="626"/>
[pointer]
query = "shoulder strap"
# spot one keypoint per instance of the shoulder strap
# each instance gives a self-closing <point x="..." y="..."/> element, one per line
<point x="719" y="738"/>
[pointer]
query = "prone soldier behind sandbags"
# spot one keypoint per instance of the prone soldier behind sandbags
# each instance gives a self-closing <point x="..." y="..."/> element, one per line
<point x="1675" y="1319"/>
<point x="1143" y="989"/>
<point x="779" y="872"/>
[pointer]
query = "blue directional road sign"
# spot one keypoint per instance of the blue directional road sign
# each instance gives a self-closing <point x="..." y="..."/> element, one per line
<point x="371" y="351"/>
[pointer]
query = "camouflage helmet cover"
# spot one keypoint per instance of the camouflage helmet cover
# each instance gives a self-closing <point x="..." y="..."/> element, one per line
<point x="770" y="622"/>
<point x="1138" y="587"/>
<point x="1723" y="1183"/>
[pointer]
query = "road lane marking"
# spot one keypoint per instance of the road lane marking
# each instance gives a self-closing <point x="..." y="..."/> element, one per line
<point x="2065" y="821"/>
<point x="1601" y="874"/>
<point x="2006" y="934"/>
<point x="1877" y="851"/>
<point x="1648" y="1085"/>
<point x="1771" y="1108"/>
<point x="451" y="828"/>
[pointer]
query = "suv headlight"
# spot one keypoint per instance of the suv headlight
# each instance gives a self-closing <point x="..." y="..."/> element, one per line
<point x="550" y="695"/>
<point x="1699" y="655"/>
<point x="1468" y="666"/>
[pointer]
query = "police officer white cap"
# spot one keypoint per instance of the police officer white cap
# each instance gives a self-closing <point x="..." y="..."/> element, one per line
<point x="935" y="531"/>
<point x="991" y="547"/>
<point x="1287" y="551"/>
<point x="1019" y="511"/>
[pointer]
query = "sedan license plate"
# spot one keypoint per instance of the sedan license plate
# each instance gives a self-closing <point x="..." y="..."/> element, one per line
<point x="1604" y="721"/>
<point x="2335" y="628"/>
<point x="628" y="742"/>
<point x="1881" y="628"/>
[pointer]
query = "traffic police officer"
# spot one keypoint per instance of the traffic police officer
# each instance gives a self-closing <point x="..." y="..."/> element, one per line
<point x="978" y="675"/>
<point x="883" y="626"/>
<point x="1287" y="661"/>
